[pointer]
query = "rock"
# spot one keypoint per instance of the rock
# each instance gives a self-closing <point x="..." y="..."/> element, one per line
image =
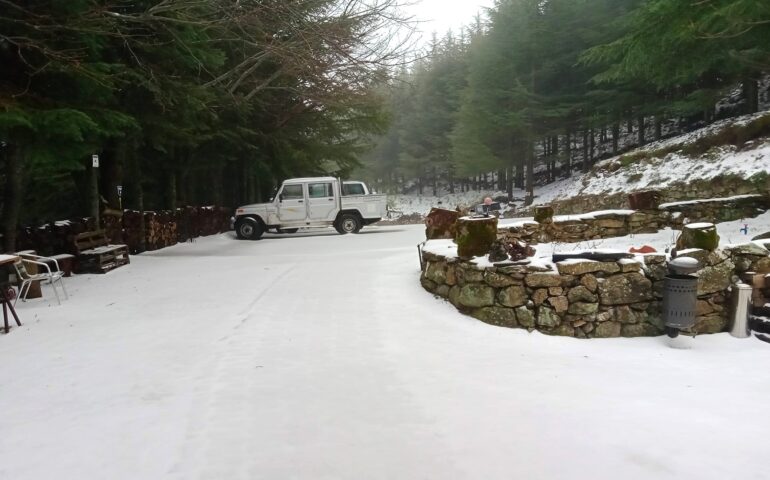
<point x="546" y="317"/>
<point x="543" y="214"/>
<point x="454" y="296"/>
<point x="698" y="235"/>
<point x="475" y="236"/>
<point x="581" y="308"/>
<point x="581" y="294"/>
<point x="603" y="316"/>
<point x="440" y="223"/>
<point x="442" y="291"/>
<point x="710" y="324"/>
<point x="569" y="281"/>
<point x="581" y="267"/>
<point x="560" y="304"/>
<point x="525" y="317"/>
<point x="589" y="281"/>
<point x="657" y="272"/>
<point x="588" y="328"/>
<point x="536" y="280"/>
<point x="704" y="308"/>
<point x="504" y="317"/>
<point x="512" y="296"/>
<point x="466" y="274"/>
<point x="436" y="271"/>
<point x="540" y="296"/>
<point x="607" y="330"/>
<point x="555" y="291"/>
<point x="497" y="252"/>
<point x="629" y="265"/>
<point x="477" y="295"/>
<point x="641" y="306"/>
<point x="762" y="265"/>
<point x="747" y="249"/>
<point x="639" y="330"/>
<point x="579" y="323"/>
<point x="610" y="223"/>
<point x="563" y="330"/>
<point x="451" y="275"/>
<point x="716" y="278"/>
<point x="624" y="289"/>
<point x="625" y="314"/>
<point x="428" y="285"/>
<point x="653" y="259"/>
<point x="762" y="236"/>
<point x="498" y="280"/>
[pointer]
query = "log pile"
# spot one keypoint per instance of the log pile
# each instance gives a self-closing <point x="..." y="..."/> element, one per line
<point x="161" y="229"/>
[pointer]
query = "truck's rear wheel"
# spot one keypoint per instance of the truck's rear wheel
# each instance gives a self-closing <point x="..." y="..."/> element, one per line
<point x="249" y="228"/>
<point x="348" y="223"/>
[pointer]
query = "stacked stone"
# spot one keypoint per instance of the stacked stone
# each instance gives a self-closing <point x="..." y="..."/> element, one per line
<point x="584" y="299"/>
<point x="604" y="225"/>
<point x="721" y="210"/>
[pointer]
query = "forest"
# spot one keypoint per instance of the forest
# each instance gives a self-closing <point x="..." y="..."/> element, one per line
<point x="214" y="102"/>
<point x="536" y="89"/>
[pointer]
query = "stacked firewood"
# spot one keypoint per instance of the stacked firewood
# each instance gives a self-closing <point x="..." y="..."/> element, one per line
<point x="132" y="231"/>
<point x="160" y="229"/>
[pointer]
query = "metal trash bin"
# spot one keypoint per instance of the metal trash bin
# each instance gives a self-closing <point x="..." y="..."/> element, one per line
<point x="680" y="295"/>
<point x="741" y="308"/>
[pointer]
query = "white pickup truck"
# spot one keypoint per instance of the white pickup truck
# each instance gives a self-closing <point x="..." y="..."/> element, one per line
<point x="312" y="202"/>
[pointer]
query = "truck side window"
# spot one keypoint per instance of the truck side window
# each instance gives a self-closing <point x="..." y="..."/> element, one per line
<point x="352" y="189"/>
<point x="292" y="192"/>
<point x="320" y="190"/>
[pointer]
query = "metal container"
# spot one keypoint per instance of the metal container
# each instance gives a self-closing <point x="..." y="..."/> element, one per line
<point x="680" y="298"/>
<point x="741" y="307"/>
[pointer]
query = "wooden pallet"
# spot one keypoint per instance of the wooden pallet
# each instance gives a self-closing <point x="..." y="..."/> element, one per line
<point x="97" y="255"/>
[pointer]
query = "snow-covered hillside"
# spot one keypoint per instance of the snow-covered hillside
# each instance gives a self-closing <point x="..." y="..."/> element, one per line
<point x="618" y="175"/>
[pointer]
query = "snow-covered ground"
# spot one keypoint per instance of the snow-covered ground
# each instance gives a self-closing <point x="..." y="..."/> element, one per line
<point x="318" y="356"/>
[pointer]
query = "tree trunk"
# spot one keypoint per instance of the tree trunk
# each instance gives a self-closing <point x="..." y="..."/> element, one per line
<point x="419" y="184"/>
<point x="530" y="156"/>
<point x="592" y="145"/>
<point x="217" y="194"/>
<point x="554" y="156"/>
<point x="501" y="182"/>
<point x="170" y="190"/>
<point x="14" y="159"/>
<point x="615" y="138"/>
<point x="567" y="168"/>
<point x="509" y="182"/>
<point x="586" y="159"/>
<point x="658" y="128"/>
<point x="630" y="126"/>
<point x="112" y="173"/>
<point x="640" y="120"/>
<point x="435" y="182"/>
<point x="751" y="95"/>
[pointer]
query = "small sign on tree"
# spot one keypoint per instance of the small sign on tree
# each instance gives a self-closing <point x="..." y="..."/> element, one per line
<point x="95" y="161"/>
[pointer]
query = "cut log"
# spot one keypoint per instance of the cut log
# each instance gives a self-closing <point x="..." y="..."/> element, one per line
<point x="698" y="235"/>
<point x="441" y="223"/>
<point x="475" y="236"/>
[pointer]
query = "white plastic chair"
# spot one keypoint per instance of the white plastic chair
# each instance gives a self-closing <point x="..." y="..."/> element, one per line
<point x="47" y="275"/>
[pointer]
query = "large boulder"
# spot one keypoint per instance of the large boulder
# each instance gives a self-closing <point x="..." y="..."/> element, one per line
<point x="715" y="278"/>
<point x="624" y="289"/>
<point x="512" y="296"/>
<point x="477" y="295"/>
<point x="441" y="223"/>
<point x="475" y="236"/>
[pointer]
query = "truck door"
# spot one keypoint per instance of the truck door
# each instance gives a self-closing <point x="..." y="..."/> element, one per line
<point x="322" y="203"/>
<point x="291" y="204"/>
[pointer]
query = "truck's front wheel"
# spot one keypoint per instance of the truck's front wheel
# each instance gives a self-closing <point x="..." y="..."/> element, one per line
<point x="348" y="223"/>
<point x="249" y="228"/>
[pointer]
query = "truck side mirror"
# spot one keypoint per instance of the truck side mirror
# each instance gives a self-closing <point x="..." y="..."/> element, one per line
<point x="280" y="197"/>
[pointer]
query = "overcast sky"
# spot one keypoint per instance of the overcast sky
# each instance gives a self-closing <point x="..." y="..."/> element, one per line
<point x="442" y="15"/>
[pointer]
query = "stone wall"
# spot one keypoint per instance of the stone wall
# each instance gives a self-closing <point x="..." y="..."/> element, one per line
<point x="724" y="186"/>
<point x="619" y="223"/>
<point x="588" y="299"/>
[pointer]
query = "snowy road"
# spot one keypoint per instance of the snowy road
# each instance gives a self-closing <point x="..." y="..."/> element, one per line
<point x="320" y="357"/>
